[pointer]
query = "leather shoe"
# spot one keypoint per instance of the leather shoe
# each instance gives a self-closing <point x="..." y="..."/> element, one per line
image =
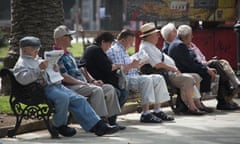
<point x="234" y="104"/>
<point x="66" y="131"/>
<point x="150" y="118"/>
<point x="108" y="130"/>
<point x="163" y="116"/>
<point x="194" y="112"/>
<point x="101" y="128"/>
<point x="207" y="109"/>
<point x="226" y="106"/>
<point x="121" y="127"/>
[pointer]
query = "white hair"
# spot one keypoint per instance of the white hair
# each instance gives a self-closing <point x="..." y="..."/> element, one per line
<point x="167" y="29"/>
<point x="184" y="30"/>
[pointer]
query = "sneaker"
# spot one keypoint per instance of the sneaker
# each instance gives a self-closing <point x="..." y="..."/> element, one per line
<point x="163" y="116"/>
<point x="150" y="118"/>
<point x="66" y="131"/>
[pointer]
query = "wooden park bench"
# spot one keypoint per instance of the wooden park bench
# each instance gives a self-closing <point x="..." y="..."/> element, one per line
<point x="28" y="102"/>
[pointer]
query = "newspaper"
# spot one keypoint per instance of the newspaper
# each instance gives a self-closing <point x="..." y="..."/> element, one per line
<point x="52" y="57"/>
<point x="141" y="55"/>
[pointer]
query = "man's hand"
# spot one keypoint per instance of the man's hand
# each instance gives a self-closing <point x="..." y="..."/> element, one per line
<point x="135" y="64"/>
<point x="43" y="64"/>
<point x="98" y="82"/>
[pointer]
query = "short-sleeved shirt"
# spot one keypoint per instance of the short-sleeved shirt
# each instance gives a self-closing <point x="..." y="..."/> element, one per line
<point x="68" y="64"/>
<point x="118" y="55"/>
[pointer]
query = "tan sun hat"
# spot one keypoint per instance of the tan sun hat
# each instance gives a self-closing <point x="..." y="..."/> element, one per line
<point x="147" y="29"/>
<point x="62" y="30"/>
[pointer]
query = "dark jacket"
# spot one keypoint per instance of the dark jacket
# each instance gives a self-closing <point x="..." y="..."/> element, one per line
<point x="186" y="63"/>
<point x="99" y="65"/>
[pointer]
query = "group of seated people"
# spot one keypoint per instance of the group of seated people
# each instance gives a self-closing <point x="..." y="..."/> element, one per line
<point x="95" y="77"/>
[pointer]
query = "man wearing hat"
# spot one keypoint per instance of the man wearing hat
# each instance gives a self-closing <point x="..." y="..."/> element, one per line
<point x="152" y="88"/>
<point x="30" y="68"/>
<point x="103" y="97"/>
<point x="158" y="60"/>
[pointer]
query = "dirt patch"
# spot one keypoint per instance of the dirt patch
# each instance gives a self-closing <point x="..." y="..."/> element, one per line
<point x="9" y="120"/>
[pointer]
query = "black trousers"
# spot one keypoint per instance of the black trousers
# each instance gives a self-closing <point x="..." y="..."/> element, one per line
<point x="205" y="85"/>
<point x="224" y="88"/>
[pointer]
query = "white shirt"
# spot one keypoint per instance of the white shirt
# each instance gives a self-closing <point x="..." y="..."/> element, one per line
<point x="155" y="55"/>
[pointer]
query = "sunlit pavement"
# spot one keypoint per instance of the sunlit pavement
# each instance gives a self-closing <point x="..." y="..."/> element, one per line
<point x="220" y="127"/>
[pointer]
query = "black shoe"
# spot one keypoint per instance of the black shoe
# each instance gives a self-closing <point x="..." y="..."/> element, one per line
<point x="150" y="118"/>
<point x="121" y="127"/>
<point x="163" y="116"/>
<point x="66" y="131"/>
<point x="194" y="112"/>
<point x="101" y="128"/>
<point x="234" y="104"/>
<point x="226" y="106"/>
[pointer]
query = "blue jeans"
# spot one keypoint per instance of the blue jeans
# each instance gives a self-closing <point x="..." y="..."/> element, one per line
<point x="122" y="96"/>
<point x="64" y="99"/>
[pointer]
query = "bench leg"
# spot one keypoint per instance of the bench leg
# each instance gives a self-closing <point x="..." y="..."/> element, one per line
<point x="177" y="105"/>
<point x="12" y="132"/>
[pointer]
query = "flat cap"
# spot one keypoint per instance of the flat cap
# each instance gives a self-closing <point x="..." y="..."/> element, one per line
<point x="29" y="41"/>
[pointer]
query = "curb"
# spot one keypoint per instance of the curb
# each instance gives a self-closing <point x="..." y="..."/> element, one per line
<point x="40" y="125"/>
<point x="29" y="127"/>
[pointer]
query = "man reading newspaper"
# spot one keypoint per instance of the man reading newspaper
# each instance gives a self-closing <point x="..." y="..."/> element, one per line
<point x="52" y="57"/>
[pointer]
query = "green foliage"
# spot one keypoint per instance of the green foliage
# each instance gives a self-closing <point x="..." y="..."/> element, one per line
<point x="76" y="49"/>
<point x="4" y="105"/>
<point x="3" y="38"/>
<point x="3" y="51"/>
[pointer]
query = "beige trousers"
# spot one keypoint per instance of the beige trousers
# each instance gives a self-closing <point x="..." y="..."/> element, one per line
<point x="104" y="100"/>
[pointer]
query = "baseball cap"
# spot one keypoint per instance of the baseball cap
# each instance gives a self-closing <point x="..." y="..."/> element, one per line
<point x="62" y="30"/>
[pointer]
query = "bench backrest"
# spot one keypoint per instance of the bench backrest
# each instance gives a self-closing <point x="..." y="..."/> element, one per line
<point x="30" y="94"/>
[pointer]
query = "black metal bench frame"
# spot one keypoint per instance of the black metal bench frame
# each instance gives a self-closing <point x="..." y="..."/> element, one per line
<point x="28" y="102"/>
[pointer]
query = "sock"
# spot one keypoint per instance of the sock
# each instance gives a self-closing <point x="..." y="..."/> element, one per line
<point x="157" y="110"/>
<point x="146" y="112"/>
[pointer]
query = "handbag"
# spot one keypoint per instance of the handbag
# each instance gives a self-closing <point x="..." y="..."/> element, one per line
<point x="122" y="80"/>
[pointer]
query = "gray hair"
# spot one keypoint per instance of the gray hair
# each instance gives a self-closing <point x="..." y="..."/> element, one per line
<point x="167" y="29"/>
<point x="184" y="30"/>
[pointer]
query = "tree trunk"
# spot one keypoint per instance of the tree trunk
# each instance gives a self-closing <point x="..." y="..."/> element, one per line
<point x="33" y="18"/>
<point x="114" y="8"/>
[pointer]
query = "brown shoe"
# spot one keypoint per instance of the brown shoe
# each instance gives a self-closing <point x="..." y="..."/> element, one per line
<point x="207" y="109"/>
<point x="194" y="112"/>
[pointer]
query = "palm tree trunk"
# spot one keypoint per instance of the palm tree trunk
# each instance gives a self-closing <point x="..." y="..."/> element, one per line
<point x="33" y="18"/>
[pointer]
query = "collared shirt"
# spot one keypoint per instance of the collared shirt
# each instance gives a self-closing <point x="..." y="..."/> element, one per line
<point x="118" y="55"/>
<point x="199" y="55"/>
<point x="155" y="55"/>
<point x="68" y="64"/>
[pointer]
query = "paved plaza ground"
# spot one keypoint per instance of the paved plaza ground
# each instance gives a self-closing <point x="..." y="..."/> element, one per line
<point x="220" y="127"/>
